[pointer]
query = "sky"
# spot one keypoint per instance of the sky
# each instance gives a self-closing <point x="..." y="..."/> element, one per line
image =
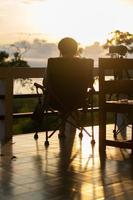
<point x="85" y="20"/>
<point x="40" y="24"/>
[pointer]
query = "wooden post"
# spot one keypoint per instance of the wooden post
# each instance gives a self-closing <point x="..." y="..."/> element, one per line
<point x="6" y="92"/>
<point x="8" y="107"/>
<point x="102" y="113"/>
<point x="2" y="109"/>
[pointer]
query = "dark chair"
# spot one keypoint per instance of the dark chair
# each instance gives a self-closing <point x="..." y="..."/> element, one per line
<point x="69" y="89"/>
<point x="111" y="92"/>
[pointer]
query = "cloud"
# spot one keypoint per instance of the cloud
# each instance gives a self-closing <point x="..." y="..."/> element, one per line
<point x="94" y="51"/>
<point x="38" y="51"/>
<point x="42" y="49"/>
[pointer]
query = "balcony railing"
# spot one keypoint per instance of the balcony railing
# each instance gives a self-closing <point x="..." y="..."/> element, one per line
<point x="7" y="77"/>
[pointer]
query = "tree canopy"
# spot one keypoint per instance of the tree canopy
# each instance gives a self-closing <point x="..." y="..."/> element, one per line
<point x="16" y="61"/>
<point x="119" y="38"/>
<point x="3" y="56"/>
<point x="123" y="41"/>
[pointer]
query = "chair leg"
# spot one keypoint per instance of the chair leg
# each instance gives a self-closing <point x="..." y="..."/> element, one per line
<point x="102" y="133"/>
<point x="36" y="136"/>
<point x="46" y="143"/>
<point x="115" y="126"/>
<point x="57" y="128"/>
<point x="81" y="133"/>
<point x="132" y="141"/>
<point x="60" y="135"/>
<point x="78" y="126"/>
<point x="92" y="126"/>
<point x="93" y="140"/>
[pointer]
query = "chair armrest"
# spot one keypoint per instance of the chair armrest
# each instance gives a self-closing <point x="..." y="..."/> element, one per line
<point x="39" y="86"/>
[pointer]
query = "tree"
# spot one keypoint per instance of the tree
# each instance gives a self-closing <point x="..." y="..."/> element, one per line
<point x="119" y="44"/>
<point x="16" y="61"/>
<point x="3" y="56"/>
<point x="20" y="50"/>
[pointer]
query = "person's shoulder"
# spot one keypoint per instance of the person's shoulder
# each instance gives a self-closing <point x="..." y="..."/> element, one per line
<point x="84" y="60"/>
<point x="53" y="58"/>
<point x="53" y="61"/>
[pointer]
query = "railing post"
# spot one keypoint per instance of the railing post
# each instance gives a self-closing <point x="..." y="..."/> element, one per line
<point x="6" y="110"/>
<point x="9" y="108"/>
<point x="2" y="108"/>
<point x="7" y="75"/>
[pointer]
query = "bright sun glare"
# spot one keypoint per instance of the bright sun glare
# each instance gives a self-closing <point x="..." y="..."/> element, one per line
<point x="86" y="20"/>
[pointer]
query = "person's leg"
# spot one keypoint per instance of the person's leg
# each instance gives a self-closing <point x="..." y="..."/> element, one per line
<point x="71" y="128"/>
<point x="62" y="130"/>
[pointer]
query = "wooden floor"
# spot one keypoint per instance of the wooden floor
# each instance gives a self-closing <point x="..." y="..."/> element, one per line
<point x="69" y="169"/>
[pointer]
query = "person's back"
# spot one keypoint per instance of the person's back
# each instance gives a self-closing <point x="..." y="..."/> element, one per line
<point x="70" y="77"/>
<point x="68" y="71"/>
<point x="68" y="48"/>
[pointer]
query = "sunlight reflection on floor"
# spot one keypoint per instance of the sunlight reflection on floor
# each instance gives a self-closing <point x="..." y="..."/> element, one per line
<point x="68" y="169"/>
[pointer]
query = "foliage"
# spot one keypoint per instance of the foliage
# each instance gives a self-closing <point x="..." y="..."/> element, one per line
<point x="120" y="43"/>
<point x="3" y="56"/>
<point x="119" y="38"/>
<point x="16" y="61"/>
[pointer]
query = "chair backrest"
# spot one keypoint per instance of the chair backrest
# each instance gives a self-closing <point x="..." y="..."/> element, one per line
<point x="68" y="81"/>
<point x="121" y="77"/>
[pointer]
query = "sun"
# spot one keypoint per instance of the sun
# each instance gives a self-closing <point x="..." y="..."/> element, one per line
<point x="85" y="20"/>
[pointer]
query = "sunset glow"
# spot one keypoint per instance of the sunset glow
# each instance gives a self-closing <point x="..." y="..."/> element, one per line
<point x="85" y="20"/>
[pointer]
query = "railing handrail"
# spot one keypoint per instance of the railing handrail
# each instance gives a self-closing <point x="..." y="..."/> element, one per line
<point x="21" y="72"/>
<point x="26" y="72"/>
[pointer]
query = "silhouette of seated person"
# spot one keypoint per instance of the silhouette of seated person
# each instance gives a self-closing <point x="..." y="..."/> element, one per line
<point x="68" y="48"/>
<point x="67" y="66"/>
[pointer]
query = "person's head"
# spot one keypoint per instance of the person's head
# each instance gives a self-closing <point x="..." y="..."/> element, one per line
<point x="68" y="47"/>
